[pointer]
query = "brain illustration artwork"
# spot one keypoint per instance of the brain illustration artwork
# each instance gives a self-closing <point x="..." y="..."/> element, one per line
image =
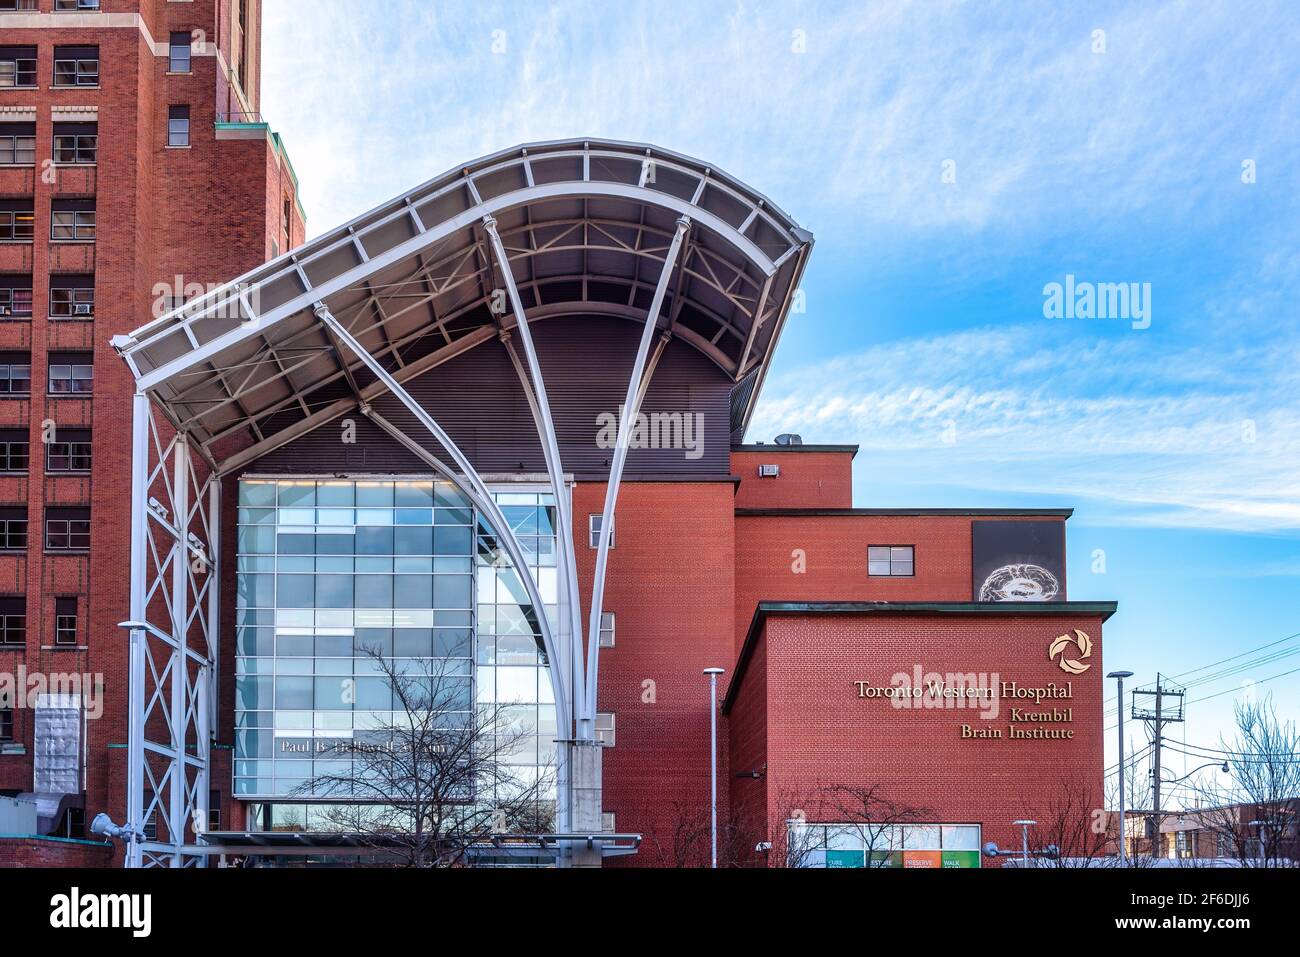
<point x="1019" y="583"/>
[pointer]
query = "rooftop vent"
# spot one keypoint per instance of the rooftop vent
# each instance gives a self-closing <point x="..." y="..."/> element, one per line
<point x="789" y="438"/>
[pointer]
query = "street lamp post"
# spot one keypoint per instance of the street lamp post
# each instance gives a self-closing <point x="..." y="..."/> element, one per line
<point x="1119" y="677"/>
<point x="1024" y="839"/>
<point x="713" y="758"/>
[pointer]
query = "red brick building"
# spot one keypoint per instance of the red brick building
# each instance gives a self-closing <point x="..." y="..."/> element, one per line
<point x="135" y="173"/>
<point x="367" y="433"/>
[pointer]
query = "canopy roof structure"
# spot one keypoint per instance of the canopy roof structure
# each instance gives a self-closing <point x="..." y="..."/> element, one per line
<point x="587" y="225"/>
<point x="615" y="231"/>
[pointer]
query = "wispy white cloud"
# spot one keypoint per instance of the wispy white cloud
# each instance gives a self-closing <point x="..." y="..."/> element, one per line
<point x="855" y="127"/>
<point x="1148" y="433"/>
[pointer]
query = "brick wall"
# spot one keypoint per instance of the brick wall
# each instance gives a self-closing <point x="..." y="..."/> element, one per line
<point x="821" y="734"/>
<point x="49" y="852"/>
<point x="807" y="479"/>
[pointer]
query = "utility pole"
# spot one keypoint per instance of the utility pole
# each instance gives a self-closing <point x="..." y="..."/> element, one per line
<point x="1156" y="718"/>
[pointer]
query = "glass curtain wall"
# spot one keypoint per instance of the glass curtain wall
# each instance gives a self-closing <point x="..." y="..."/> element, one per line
<point x="327" y="569"/>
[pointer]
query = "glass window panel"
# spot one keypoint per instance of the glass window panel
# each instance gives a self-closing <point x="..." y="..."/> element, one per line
<point x="451" y="591"/>
<point x="293" y="694"/>
<point x="375" y="494"/>
<point x="293" y="646"/>
<point x="413" y="540"/>
<point x="961" y="837"/>
<point x="297" y="494"/>
<point x="255" y="540"/>
<point x="253" y="692"/>
<point x="413" y="516"/>
<point x="416" y="494"/>
<point x="256" y="591"/>
<point x="452" y="540"/>
<point x="295" y="591"/>
<point x="452" y="643"/>
<point x="334" y="694"/>
<point x="374" y="591"/>
<point x="375" y="541"/>
<point x="335" y="543"/>
<point x="447" y="494"/>
<point x="257" y="493"/>
<point x="377" y="639"/>
<point x="412" y="642"/>
<point x="334" y="646"/>
<point x="413" y="591"/>
<point x="373" y="694"/>
<point x="334" y="591"/>
<point x="335" y="494"/>
<point x="878" y="568"/>
<point x="516" y="685"/>
<point x="453" y="516"/>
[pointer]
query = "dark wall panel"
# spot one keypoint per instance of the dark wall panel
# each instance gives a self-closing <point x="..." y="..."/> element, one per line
<point x="477" y="398"/>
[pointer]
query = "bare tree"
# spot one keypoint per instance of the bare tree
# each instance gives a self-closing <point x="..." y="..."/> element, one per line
<point x="866" y="812"/>
<point x="1075" y="825"/>
<point x="683" y="838"/>
<point x="1255" y="818"/>
<point x="439" y="778"/>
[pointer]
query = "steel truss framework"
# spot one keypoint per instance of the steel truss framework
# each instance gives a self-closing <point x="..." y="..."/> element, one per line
<point x="482" y="253"/>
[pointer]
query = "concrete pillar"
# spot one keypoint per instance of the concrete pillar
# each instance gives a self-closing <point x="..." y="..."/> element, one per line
<point x="588" y="801"/>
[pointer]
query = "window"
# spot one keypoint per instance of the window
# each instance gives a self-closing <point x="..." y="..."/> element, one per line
<point x="178" y="126"/>
<point x="15" y="297"/>
<point x="13" y="528"/>
<point x="179" y="59"/>
<point x="69" y="452"/>
<point x="17" y="144"/>
<point x="287" y="222"/>
<point x="76" y="143"/>
<point x="607" y="629"/>
<point x="73" y="4"/>
<point x="13" y="620"/>
<point x="6" y="724"/>
<point x="214" y="810"/>
<point x="896" y="561"/>
<point x="15" y="450"/>
<point x="14" y="6"/>
<point x="72" y="297"/>
<point x="15" y="373"/>
<point x="65" y="621"/>
<point x="17" y="67"/>
<point x="73" y="220"/>
<point x="67" y="529"/>
<point x="605" y="729"/>
<point x="239" y="42"/>
<point x="71" y="373"/>
<point x="76" y="66"/>
<point x="17" y="220"/>
<point x="593" y="531"/>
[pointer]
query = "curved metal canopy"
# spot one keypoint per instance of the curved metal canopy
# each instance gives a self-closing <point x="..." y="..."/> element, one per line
<point x="586" y="224"/>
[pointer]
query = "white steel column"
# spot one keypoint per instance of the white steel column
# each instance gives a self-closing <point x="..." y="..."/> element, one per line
<point x="138" y="637"/>
<point x="180" y="673"/>
<point x="631" y="406"/>
<point x="554" y="468"/>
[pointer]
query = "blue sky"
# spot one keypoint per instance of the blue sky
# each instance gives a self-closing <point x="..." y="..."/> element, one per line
<point x="1115" y="157"/>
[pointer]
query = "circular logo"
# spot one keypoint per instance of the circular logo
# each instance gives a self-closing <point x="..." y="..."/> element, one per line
<point x="1069" y="650"/>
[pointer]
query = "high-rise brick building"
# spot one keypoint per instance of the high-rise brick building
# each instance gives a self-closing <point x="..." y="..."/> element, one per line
<point x="135" y="172"/>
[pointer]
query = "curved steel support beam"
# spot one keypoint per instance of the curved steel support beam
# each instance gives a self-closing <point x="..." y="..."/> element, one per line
<point x="631" y="406"/>
<point x="541" y="408"/>
<point x="481" y="496"/>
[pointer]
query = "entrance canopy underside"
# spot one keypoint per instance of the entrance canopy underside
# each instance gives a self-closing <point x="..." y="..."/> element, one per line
<point x="587" y="226"/>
